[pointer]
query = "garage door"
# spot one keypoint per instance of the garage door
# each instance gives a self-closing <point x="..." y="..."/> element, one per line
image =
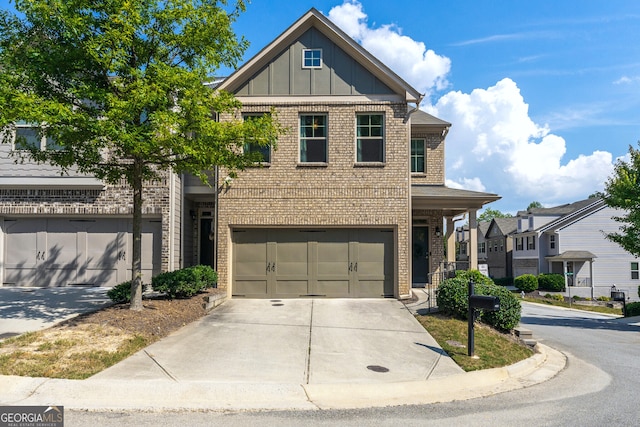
<point x="49" y="252"/>
<point x="276" y="263"/>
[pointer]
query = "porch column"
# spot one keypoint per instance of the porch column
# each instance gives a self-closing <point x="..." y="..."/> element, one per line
<point x="451" y="240"/>
<point x="473" y="240"/>
<point x="591" y="276"/>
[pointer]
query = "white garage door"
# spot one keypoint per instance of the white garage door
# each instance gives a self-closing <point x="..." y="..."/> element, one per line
<point x="47" y="252"/>
<point x="277" y="263"/>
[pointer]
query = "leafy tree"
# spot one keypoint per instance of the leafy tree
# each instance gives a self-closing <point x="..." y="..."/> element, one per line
<point x="622" y="191"/>
<point x="534" y="205"/>
<point x="490" y="214"/>
<point x="119" y="85"/>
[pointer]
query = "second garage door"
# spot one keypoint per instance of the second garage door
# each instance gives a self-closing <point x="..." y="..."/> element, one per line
<point x="278" y="263"/>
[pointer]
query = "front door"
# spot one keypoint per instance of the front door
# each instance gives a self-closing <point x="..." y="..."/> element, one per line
<point x="420" y="270"/>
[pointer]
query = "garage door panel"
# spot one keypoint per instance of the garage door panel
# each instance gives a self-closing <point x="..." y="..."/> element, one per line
<point x="290" y="288"/>
<point x="332" y="263"/>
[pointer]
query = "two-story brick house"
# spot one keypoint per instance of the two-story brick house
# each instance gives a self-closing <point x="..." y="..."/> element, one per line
<point x="350" y="203"/>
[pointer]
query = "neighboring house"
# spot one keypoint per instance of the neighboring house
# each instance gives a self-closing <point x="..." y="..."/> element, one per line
<point x="352" y="203"/>
<point x="463" y="247"/>
<point x="499" y="246"/>
<point x="570" y="240"/>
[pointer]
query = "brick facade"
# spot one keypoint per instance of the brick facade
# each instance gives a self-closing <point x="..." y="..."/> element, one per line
<point x="338" y="194"/>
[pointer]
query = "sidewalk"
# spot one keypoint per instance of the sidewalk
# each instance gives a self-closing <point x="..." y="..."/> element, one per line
<point x="152" y="380"/>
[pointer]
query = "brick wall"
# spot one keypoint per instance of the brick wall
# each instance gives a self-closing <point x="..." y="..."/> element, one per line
<point x="340" y="194"/>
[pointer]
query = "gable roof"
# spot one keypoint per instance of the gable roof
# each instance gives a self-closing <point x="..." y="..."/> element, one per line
<point x="558" y="210"/>
<point x="595" y="204"/>
<point x="314" y="19"/>
<point x="419" y="117"/>
<point x="506" y="226"/>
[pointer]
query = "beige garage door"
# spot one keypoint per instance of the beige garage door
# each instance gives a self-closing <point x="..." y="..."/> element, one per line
<point x="47" y="252"/>
<point x="275" y="263"/>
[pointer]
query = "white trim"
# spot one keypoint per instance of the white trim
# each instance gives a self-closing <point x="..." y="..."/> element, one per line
<point x="317" y="99"/>
<point x="311" y="67"/>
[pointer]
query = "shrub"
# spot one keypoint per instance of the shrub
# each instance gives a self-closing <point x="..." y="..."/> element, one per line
<point x="577" y="298"/>
<point x="603" y="298"/>
<point x="551" y="282"/>
<point x="186" y="282"/>
<point x="504" y="281"/>
<point x="121" y="292"/>
<point x="452" y="298"/>
<point x="557" y="297"/>
<point x="633" y="309"/>
<point x="526" y="283"/>
<point x="474" y="275"/>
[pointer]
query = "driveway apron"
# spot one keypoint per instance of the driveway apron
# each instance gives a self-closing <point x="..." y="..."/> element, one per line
<point x="295" y="341"/>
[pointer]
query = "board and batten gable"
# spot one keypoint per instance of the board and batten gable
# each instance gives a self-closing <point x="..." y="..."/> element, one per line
<point x="340" y="74"/>
<point x="613" y="263"/>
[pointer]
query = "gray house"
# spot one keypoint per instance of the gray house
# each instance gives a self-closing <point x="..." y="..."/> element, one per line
<point x="570" y="240"/>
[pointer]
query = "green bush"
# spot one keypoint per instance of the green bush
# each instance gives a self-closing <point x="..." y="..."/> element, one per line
<point x="452" y="298"/>
<point x="186" y="282"/>
<point x="474" y="275"/>
<point x="121" y="293"/>
<point x="551" y="282"/>
<point x="526" y="282"/>
<point x="603" y="298"/>
<point x="633" y="309"/>
<point x="503" y="281"/>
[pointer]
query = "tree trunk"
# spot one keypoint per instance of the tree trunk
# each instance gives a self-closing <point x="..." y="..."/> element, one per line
<point x="136" y="262"/>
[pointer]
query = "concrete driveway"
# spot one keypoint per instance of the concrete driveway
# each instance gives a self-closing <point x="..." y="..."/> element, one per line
<point x="32" y="309"/>
<point x="301" y="341"/>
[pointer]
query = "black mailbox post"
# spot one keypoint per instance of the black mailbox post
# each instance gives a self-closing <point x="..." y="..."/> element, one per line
<point x="478" y="302"/>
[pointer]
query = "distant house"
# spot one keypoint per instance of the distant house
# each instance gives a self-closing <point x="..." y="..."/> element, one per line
<point x="570" y="240"/>
<point x="463" y="245"/>
<point x="499" y="246"/>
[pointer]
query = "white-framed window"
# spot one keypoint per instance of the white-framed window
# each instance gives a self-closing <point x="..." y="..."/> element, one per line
<point x="370" y="138"/>
<point x="552" y="241"/>
<point x="635" y="272"/>
<point x="313" y="138"/>
<point x="482" y="247"/>
<point x="264" y="151"/>
<point x="501" y="245"/>
<point x="312" y="58"/>
<point x="418" y="156"/>
<point x="29" y="136"/>
<point x="519" y="243"/>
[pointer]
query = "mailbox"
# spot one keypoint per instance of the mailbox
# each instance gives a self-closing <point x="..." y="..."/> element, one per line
<point x="617" y="295"/>
<point x="484" y="302"/>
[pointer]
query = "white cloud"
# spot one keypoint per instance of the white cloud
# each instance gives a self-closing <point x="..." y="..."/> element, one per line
<point x="493" y="145"/>
<point x="421" y="67"/>
<point x="493" y="137"/>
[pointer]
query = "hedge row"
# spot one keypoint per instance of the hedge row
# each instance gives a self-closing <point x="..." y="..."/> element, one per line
<point x="633" y="309"/>
<point x="452" y="298"/>
<point x="175" y="284"/>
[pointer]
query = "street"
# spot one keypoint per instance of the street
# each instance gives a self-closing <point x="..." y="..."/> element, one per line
<point x="598" y="387"/>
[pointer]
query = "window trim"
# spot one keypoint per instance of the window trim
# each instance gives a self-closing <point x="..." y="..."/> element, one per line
<point x="314" y="138"/>
<point x="424" y="156"/>
<point x="552" y="241"/>
<point x="382" y="139"/>
<point x="312" y="59"/>
<point x="635" y="270"/>
<point x="44" y="141"/>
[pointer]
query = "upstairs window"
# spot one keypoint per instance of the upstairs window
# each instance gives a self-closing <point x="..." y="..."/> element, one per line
<point x="635" y="272"/>
<point x="417" y="156"/>
<point x="313" y="139"/>
<point x="263" y="152"/>
<point x="519" y="243"/>
<point x="312" y="58"/>
<point x="370" y="138"/>
<point x="531" y="242"/>
<point x="29" y="136"/>
<point x="552" y="241"/>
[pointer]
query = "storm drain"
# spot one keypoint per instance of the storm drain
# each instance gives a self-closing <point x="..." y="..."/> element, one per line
<point x="377" y="368"/>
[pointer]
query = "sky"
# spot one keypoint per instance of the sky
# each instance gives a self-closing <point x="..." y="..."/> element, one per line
<point x="543" y="96"/>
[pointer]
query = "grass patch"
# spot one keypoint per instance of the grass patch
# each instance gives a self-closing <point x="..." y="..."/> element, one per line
<point x="577" y="306"/>
<point x="493" y="348"/>
<point x="67" y="353"/>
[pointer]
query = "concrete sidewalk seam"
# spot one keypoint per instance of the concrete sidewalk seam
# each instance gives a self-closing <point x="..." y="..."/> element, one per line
<point x="167" y="373"/>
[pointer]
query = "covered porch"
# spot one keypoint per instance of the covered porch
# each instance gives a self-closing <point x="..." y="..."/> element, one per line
<point x="575" y="266"/>
<point x="434" y="211"/>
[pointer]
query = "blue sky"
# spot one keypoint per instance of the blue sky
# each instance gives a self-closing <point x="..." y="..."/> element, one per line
<point x="543" y="95"/>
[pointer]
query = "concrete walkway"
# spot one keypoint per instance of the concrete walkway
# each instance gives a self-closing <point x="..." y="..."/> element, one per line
<point x="286" y="354"/>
